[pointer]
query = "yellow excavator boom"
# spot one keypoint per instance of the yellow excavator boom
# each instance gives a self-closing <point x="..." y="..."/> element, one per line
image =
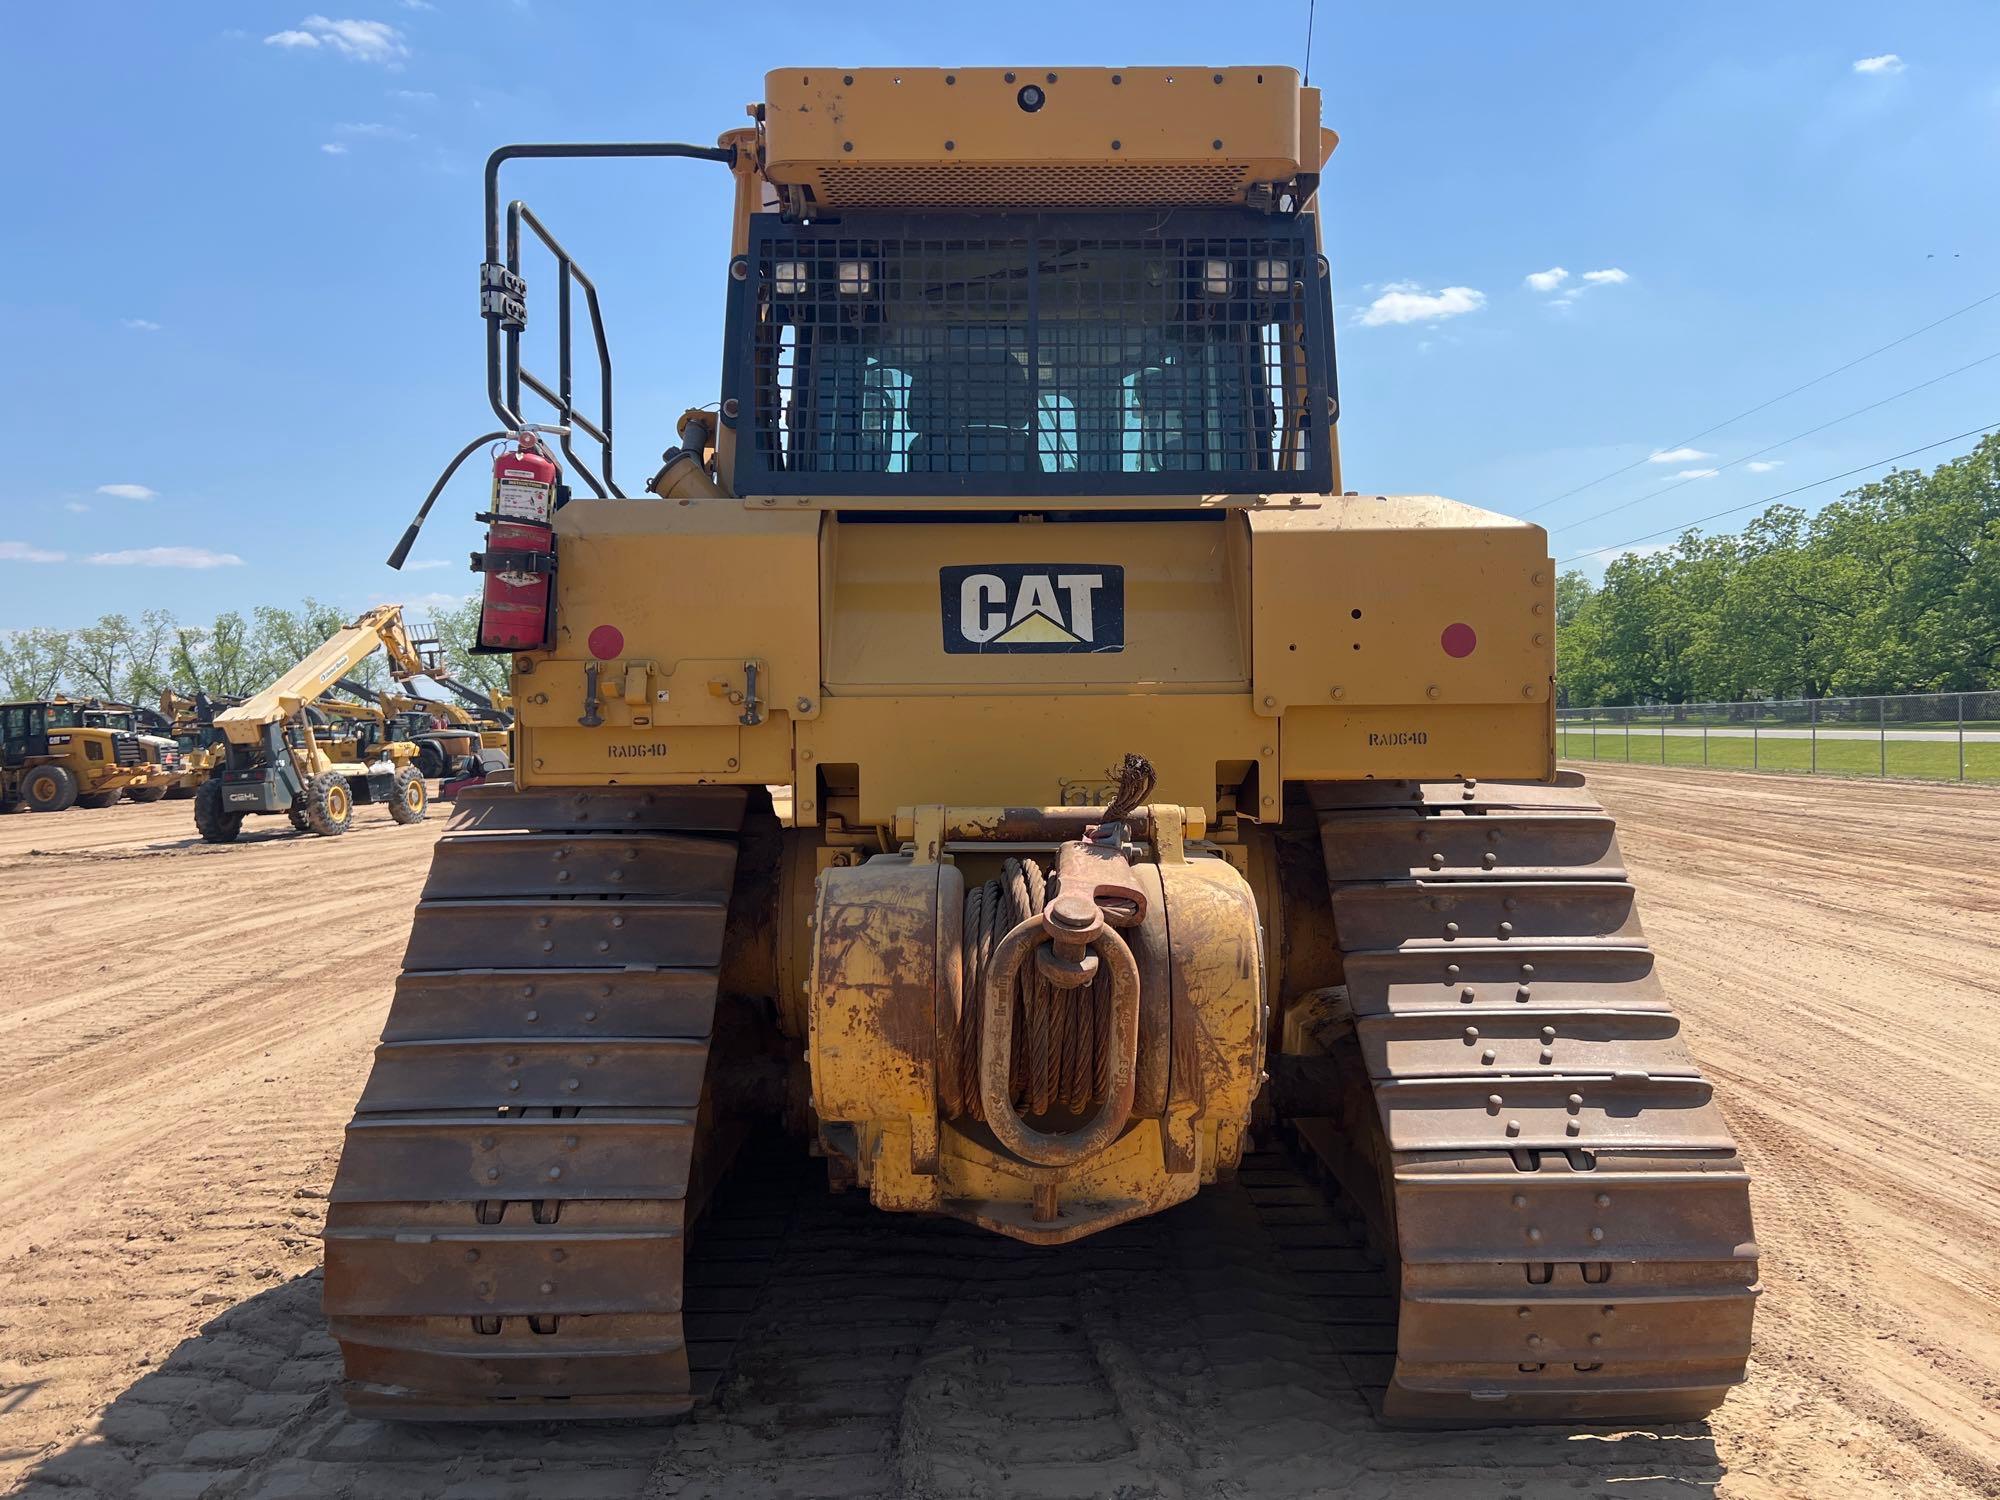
<point x="319" y="672"/>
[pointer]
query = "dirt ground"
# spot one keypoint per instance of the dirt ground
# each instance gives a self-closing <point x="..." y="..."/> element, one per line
<point x="185" y="1030"/>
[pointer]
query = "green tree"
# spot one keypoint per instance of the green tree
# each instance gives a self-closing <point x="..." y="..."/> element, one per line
<point x="98" y="654"/>
<point x="33" y="662"/>
<point x="148" y="651"/>
<point x="1893" y="588"/>
<point x="457" y="631"/>
<point x="221" y="659"/>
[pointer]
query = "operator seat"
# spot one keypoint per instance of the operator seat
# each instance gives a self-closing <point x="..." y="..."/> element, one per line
<point x="973" y="413"/>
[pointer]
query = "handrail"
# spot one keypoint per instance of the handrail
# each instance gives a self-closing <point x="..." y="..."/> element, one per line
<point x="503" y="302"/>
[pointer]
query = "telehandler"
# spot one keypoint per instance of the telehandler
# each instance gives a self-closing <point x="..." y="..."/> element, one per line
<point x="271" y="758"/>
<point x="1149" y="788"/>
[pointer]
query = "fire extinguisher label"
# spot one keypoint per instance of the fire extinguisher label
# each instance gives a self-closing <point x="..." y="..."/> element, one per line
<point x="523" y="502"/>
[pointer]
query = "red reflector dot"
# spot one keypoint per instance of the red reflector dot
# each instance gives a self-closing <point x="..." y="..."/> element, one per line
<point x="1457" y="640"/>
<point x="607" y="641"/>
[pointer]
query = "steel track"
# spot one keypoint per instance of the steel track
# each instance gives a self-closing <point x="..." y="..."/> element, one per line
<point x="1570" y="1217"/>
<point x="506" y="1231"/>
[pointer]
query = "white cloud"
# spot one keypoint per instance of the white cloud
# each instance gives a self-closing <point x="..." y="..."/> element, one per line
<point x="1555" y="283"/>
<point x="1406" y="302"/>
<point x="1765" y="465"/>
<point x="141" y="325"/>
<point x="75" y="507"/>
<point x="166" y="557"/>
<point x="24" y="552"/>
<point x="1697" y="473"/>
<point x="414" y="96"/>
<point x="423" y="564"/>
<point x="1888" y="62"/>
<point x="357" y="41"/>
<point x="334" y="148"/>
<point x="418" y="5"/>
<point x="128" y="492"/>
<point x="1677" y="456"/>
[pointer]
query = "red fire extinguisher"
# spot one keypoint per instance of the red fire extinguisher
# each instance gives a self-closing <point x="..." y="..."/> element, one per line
<point x="519" y="559"/>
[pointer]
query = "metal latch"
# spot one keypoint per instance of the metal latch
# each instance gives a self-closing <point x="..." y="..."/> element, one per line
<point x="591" y="717"/>
<point x="753" y="706"/>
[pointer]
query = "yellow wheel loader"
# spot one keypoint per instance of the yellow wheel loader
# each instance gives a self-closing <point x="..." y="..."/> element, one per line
<point x="62" y="753"/>
<point x="1147" y="789"/>
<point x="157" y="744"/>
<point x="272" y="760"/>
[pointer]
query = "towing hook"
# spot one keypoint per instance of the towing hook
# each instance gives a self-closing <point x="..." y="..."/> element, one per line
<point x="1066" y="960"/>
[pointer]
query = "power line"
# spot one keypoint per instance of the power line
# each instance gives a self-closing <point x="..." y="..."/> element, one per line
<point x="1307" y="75"/>
<point x="1781" y="495"/>
<point x="1795" y="437"/>
<point x="1752" y="411"/>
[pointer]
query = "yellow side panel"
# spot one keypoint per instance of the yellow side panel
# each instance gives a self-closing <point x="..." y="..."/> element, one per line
<point x="614" y="755"/>
<point x="1361" y="593"/>
<point x="1020" y="750"/>
<point x="693" y="592"/>
<point x="1403" y="636"/>
<point x="1431" y="742"/>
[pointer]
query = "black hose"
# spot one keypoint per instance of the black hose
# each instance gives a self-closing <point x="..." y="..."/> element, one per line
<point x="402" y="552"/>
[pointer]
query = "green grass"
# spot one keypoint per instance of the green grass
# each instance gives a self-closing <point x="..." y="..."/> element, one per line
<point x="1924" y="760"/>
<point x="1769" y="721"/>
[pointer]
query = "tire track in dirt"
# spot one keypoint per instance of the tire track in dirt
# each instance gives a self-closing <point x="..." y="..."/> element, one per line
<point x="1826" y="946"/>
<point x="199" y="1019"/>
<point x="195" y="1032"/>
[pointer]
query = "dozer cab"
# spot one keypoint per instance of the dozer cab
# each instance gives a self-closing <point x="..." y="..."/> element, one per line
<point x="62" y="753"/>
<point x="273" y="761"/>
<point x="1145" y="789"/>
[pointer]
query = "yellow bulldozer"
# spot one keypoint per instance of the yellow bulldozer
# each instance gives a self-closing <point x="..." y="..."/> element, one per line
<point x="1146" y="790"/>
<point x="451" y="740"/>
<point x="270" y="759"/>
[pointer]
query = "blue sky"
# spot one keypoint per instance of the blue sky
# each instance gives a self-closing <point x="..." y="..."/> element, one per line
<point x="237" y="309"/>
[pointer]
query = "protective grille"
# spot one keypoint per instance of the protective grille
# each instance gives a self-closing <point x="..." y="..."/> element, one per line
<point x="1048" y="353"/>
<point x="976" y="186"/>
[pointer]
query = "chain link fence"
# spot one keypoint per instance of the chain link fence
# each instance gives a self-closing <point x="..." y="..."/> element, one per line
<point x="1920" y="736"/>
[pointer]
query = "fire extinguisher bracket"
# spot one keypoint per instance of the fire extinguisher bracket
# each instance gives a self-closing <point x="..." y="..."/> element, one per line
<point x="514" y="562"/>
<point x="503" y="296"/>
